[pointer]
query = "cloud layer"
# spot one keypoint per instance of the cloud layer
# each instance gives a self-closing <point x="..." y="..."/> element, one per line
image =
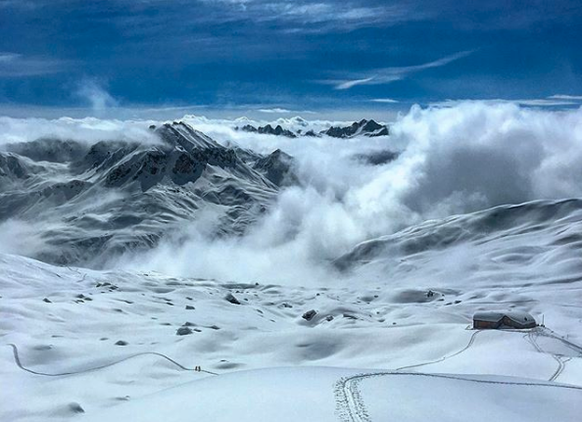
<point x="453" y="160"/>
<point x="458" y="159"/>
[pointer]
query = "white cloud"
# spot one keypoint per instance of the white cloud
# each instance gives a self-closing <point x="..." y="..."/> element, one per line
<point x="275" y="110"/>
<point x="528" y="102"/>
<point x="387" y="75"/>
<point x="355" y="82"/>
<point x="566" y="97"/>
<point x="454" y="160"/>
<point x="88" y="130"/>
<point x="384" y="100"/>
<point x="96" y="96"/>
<point x="457" y="159"/>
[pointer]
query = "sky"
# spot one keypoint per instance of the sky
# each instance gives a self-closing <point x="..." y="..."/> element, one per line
<point x="282" y="57"/>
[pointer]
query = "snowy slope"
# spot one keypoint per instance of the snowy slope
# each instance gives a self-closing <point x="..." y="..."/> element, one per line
<point x="306" y="394"/>
<point x="382" y="320"/>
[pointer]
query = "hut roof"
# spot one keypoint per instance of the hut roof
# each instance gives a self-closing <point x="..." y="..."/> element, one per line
<point x="520" y="317"/>
<point x="496" y="316"/>
<point x="489" y="316"/>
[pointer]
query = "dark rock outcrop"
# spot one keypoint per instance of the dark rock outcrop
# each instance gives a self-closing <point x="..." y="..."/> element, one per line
<point x="230" y="298"/>
<point x="269" y="130"/>
<point x="183" y="331"/>
<point x="378" y="157"/>
<point x="278" y="167"/>
<point x="309" y="315"/>
<point x="364" y="127"/>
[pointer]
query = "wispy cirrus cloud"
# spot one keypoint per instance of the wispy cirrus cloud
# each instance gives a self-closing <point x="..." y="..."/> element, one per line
<point x="280" y="110"/>
<point x="14" y="65"/>
<point x="282" y="16"/>
<point x="384" y="100"/>
<point x="276" y="110"/>
<point x="348" y="14"/>
<point x="387" y="75"/>
<point x="566" y="97"/>
<point x="551" y="101"/>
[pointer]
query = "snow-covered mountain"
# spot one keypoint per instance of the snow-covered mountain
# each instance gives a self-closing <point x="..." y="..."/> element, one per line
<point x="545" y="235"/>
<point x="363" y="127"/>
<point x="97" y="201"/>
<point x="296" y="128"/>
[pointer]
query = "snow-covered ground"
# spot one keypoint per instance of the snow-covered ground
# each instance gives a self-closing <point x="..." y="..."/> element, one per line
<point x="68" y="321"/>
<point x="349" y="298"/>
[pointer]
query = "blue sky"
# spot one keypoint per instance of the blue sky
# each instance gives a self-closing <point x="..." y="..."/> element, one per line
<point x="287" y="56"/>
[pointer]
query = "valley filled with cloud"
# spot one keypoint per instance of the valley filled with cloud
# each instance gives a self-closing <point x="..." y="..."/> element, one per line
<point x="312" y="210"/>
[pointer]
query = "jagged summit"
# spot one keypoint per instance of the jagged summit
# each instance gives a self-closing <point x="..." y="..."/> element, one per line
<point x="179" y="133"/>
<point x="269" y="130"/>
<point x="97" y="201"/>
<point x="362" y="128"/>
<point x="278" y="168"/>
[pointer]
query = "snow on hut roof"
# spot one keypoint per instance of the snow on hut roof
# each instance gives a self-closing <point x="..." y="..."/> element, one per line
<point x="489" y="316"/>
<point x="521" y="317"/>
<point x="495" y="316"/>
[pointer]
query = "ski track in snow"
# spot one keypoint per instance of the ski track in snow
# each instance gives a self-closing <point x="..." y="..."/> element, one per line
<point x="560" y="359"/>
<point x="418" y="365"/>
<point x="351" y="406"/>
<point x="18" y="362"/>
<point x="349" y="398"/>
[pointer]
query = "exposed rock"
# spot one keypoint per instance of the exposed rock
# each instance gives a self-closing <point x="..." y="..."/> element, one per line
<point x="230" y="298"/>
<point x="363" y="127"/>
<point x="278" y="167"/>
<point x="190" y="308"/>
<point x="76" y="408"/>
<point x="121" y="343"/>
<point x="269" y="130"/>
<point x="308" y="316"/>
<point x="377" y="158"/>
<point x="180" y="176"/>
<point x="183" y="331"/>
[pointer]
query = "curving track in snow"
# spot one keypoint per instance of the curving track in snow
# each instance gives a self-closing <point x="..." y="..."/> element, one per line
<point x="442" y="359"/>
<point x="561" y="360"/>
<point x="18" y="362"/>
<point x="351" y="406"/>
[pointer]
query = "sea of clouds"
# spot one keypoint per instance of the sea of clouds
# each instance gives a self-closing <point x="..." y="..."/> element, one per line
<point x="451" y="160"/>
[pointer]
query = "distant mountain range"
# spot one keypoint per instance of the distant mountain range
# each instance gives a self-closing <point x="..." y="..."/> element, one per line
<point x="97" y="201"/>
<point x="362" y="128"/>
